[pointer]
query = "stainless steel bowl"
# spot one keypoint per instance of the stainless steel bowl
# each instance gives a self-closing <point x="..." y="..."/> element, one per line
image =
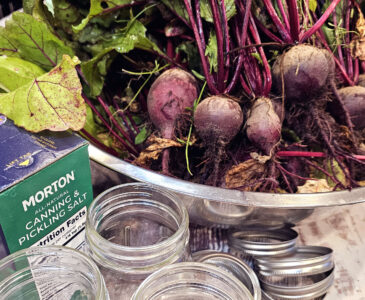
<point x="227" y="207"/>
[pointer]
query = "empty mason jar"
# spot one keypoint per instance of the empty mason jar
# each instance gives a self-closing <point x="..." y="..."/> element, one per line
<point x="51" y="272"/>
<point x="132" y="230"/>
<point x="191" y="281"/>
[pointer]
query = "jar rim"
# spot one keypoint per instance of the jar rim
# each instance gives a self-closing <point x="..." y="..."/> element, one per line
<point x="215" y="257"/>
<point x="56" y="249"/>
<point x="191" y="266"/>
<point x="183" y="225"/>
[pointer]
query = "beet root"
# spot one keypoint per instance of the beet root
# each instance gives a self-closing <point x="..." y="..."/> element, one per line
<point x="304" y="71"/>
<point x="217" y="120"/>
<point x="353" y="98"/>
<point x="169" y="96"/>
<point x="263" y="125"/>
<point x="361" y="81"/>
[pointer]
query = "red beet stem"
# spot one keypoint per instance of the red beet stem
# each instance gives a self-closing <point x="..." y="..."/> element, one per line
<point x="310" y="154"/>
<point x="276" y="20"/>
<point x="283" y="14"/>
<point x="320" y="22"/>
<point x="294" y="19"/>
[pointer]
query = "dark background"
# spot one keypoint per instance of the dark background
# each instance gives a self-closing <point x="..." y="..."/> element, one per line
<point x="7" y="6"/>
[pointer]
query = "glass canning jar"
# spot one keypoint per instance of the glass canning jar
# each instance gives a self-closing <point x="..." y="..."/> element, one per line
<point x="191" y="281"/>
<point x="132" y="230"/>
<point x="50" y="272"/>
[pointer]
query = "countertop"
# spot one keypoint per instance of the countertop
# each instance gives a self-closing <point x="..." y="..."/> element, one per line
<point x="343" y="231"/>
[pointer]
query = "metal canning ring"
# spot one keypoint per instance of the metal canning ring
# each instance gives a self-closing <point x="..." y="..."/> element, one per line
<point x="303" y="290"/>
<point x="305" y="260"/>
<point x="261" y="243"/>
<point x="233" y="265"/>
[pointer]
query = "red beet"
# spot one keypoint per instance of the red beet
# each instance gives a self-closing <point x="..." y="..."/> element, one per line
<point x="217" y="120"/>
<point x="169" y="96"/>
<point x="278" y="108"/>
<point x="304" y="71"/>
<point x="263" y="125"/>
<point x="353" y="98"/>
<point x="361" y="81"/>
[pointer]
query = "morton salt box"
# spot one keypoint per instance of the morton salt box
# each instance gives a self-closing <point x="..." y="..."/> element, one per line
<point x="45" y="188"/>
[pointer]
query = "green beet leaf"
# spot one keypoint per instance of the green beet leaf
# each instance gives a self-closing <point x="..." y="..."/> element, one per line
<point x="132" y="36"/>
<point x="141" y="136"/>
<point x="95" y="69"/>
<point x="31" y="40"/>
<point x="313" y="5"/>
<point x="6" y="47"/>
<point x="98" y="7"/>
<point x="178" y="7"/>
<point x="93" y="127"/>
<point x="212" y="50"/>
<point x="51" y="101"/>
<point x="206" y="11"/>
<point x="28" y="6"/>
<point x="15" y="72"/>
<point x="90" y="125"/>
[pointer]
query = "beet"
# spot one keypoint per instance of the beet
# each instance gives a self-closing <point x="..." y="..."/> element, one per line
<point x="279" y="109"/>
<point x="361" y="81"/>
<point x="217" y="120"/>
<point x="169" y="96"/>
<point x="353" y="98"/>
<point x="331" y="64"/>
<point x="305" y="71"/>
<point x="263" y="126"/>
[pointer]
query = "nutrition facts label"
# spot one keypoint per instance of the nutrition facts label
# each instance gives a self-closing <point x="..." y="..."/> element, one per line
<point x="70" y="233"/>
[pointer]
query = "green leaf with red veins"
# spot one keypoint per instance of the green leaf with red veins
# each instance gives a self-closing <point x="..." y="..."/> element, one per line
<point x="6" y="46"/>
<point x="51" y="101"/>
<point x="15" y="72"/>
<point x="31" y="40"/>
<point x="98" y="7"/>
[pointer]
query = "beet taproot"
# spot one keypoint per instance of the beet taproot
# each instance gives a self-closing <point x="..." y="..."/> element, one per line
<point x="263" y="126"/>
<point x="169" y="96"/>
<point x="217" y="120"/>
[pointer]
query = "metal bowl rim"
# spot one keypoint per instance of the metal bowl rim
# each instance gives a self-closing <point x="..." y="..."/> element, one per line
<point x="229" y="196"/>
